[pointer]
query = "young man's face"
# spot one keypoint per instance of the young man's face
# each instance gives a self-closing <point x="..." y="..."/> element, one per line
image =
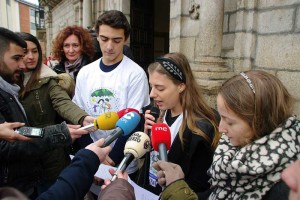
<point x="111" y="42"/>
<point x="12" y="64"/>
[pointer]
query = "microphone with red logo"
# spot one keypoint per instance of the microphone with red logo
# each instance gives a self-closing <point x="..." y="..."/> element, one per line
<point x="161" y="139"/>
<point x="136" y="146"/>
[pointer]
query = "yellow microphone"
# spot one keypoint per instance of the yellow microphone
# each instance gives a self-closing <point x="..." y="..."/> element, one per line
<point x="105" y="121"/>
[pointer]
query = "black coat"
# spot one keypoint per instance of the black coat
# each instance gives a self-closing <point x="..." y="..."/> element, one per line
<point x="20" y="166"/>
<point x="194" y="159"/>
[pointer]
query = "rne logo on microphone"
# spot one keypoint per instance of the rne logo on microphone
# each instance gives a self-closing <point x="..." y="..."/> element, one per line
<point x="128" y="115"/>
<point x="165" y="129"/>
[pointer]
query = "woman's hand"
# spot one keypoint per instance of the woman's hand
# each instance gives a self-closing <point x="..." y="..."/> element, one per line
<point x="167" y="172"/>
<point x="149" y="121"/>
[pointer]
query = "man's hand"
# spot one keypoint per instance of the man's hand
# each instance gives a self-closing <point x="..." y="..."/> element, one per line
<point x="75" y="132"/>
<point x="109" y="161"/>
<point x="167" y="172"/>
<point x="96" y="148"/>
<point x="123" y="175"/>
<point x="7" y="132"/>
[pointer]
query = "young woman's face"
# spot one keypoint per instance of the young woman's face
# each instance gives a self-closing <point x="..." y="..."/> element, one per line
<point x="72" y="48"/>
<point x="237" y="130"/>
<point x="164" y="92"/>
<point x="32" y="56"/>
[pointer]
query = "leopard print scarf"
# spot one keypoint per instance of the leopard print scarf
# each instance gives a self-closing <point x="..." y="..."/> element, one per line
<point x="249" y="172"/>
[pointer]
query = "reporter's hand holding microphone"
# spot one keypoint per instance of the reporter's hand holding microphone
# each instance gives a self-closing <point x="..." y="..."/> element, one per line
<point x="167" y="172"/>
<point x="136" y="146"/>
<point x="124" y="126"/>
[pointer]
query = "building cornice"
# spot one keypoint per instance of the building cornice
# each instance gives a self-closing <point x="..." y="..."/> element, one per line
<point x="50" y="3"/>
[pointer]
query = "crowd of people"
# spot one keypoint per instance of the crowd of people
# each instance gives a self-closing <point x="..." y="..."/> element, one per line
<point x="248" y="148"/>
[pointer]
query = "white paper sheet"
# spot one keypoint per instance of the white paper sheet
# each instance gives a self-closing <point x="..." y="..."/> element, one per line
<point x="140" y="193"/>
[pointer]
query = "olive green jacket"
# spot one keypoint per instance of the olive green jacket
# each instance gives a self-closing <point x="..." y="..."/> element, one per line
<point x="44" y="104"/>
<point x="47" y="99"/>
<point x="178" y="190"/>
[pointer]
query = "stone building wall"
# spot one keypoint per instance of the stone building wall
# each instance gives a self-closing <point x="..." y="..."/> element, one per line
<point x="264" y="35"/>
<point x="66" y="14"/>
<point x="220" y="37"/>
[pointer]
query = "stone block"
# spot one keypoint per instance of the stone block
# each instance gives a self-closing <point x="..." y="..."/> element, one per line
<point x="225" y="23"/>
<point x="187" y="47"/>
<point x="189" y="27"/>
<point x="297" y="108"/>
<point x="185" y="6"/>
<point x="232" y="22"/>
<point x="297" y="22"/>
<point x="230" y="5"/>
<point x="211" y="99"/>
<point x="244" y="45"/>
<point x="228" y="41"/>
<point x="246" y="4"/>
<point x="274" y="21"/>
<point x="278" y="51"/>
<point x="242" y="64"/>
<point x="175" y="27"/>
<point x="228" y="54"/>
<point x="246" y="21"/>
<point x="291" y="81"/>
<point x="175" y="8"/>
<point x="174" y="44"/>
<point x="276" y="3"/>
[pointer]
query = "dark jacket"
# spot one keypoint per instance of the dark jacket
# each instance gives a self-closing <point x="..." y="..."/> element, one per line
<point x="19" y="161"/>
<point x="75" y="180"/>
<point x="179" y="190"/>
<point x="60" y="67"/>
<point x="43" y="103"/>
<point x="194" y="159"/>
<point x="119" y="189"/>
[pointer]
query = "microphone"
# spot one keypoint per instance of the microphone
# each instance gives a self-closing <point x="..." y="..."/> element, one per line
<point x="122" y="112"/>
<point x="124" y="126"/>
<point x="161" y="139"/>
<point x="154" y="111"/>
<point x="105" y="121"/>
<point x="136" y="146"/>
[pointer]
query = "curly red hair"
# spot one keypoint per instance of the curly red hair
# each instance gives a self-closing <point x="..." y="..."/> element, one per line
<point x="84" y="37"/>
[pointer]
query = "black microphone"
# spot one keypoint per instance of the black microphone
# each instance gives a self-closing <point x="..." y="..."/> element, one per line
<point x="154" y="111"/>
<point x="136" y="146"/>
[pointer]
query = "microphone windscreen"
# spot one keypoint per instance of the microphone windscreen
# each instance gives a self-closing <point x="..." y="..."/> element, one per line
<point x="154" y="111"/>
<point x="137" y="144"/>
<point x="107" y="121"/>
<point x="160" y="134"/>
<point x="128" y="122"/>
<point x="122" y="112"/>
